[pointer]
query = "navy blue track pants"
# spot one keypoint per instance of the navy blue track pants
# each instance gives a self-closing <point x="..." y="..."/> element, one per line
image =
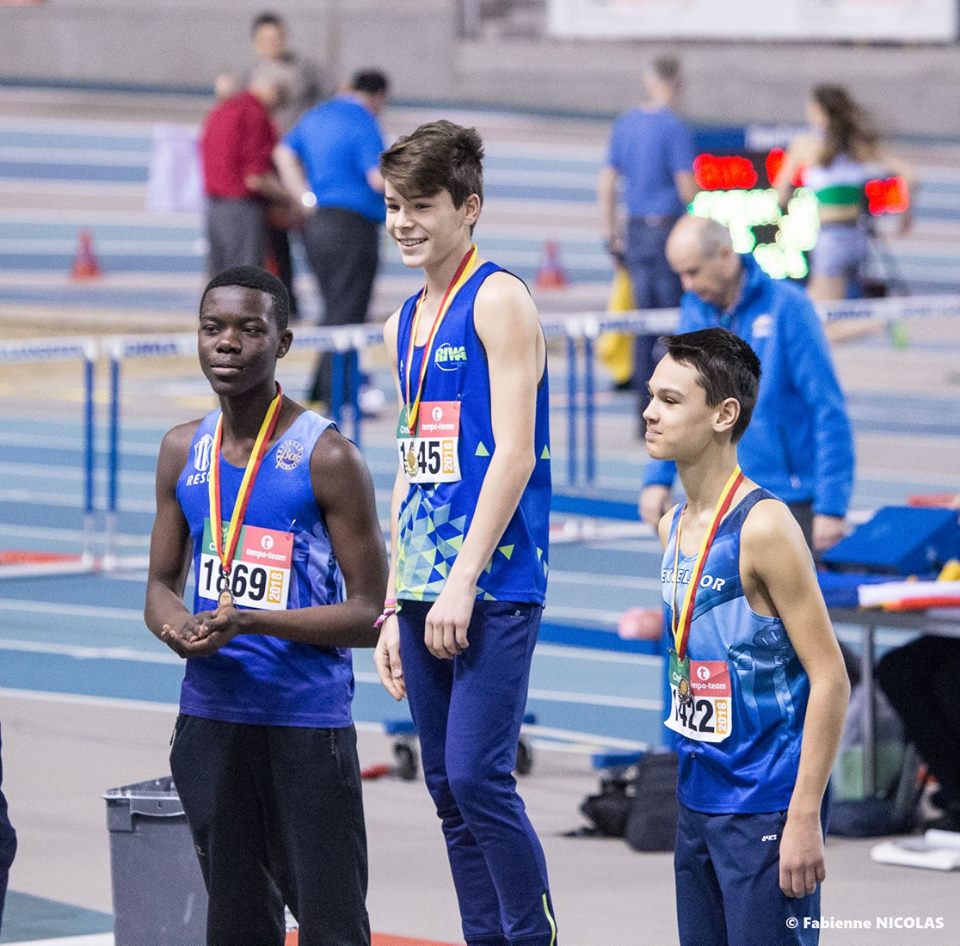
<point x="468" y="712"/>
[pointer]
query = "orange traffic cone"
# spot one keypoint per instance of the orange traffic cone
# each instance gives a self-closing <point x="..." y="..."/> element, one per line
<point x="551" y="274"/>
<point x="85" y="263"/>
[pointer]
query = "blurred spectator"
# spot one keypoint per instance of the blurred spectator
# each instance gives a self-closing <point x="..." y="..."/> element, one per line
<point x="236" y="145"/>
<point x="330" y="161"/>
<point x="225" y="86"/>
<point x="651" y="150"/>
<point x="835" y="159"/>
<point x="300" y="87"/>
<point x="799" y="443"/>
<point x="8" y="846"/>
<point x="298" y="79"/>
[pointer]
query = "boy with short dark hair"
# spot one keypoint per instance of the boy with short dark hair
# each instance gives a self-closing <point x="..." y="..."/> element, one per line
<point x="275" y="509"/>
<point x="469" y="529"/>
<point x="757" y="683"/>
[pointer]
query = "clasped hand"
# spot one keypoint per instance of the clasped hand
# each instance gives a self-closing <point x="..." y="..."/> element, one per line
<point x="204" y="633"/>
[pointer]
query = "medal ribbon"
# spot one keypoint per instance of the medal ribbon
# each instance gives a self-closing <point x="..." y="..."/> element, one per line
<point x="681" y="627"/>
<point x="226" y="549"/>
<point x="463" y="273"/>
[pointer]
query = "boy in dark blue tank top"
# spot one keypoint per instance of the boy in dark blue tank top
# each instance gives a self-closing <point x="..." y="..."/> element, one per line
<point x="276" y="511"/>
<point x="757" y="683"/>
<point x="469" y="530"/>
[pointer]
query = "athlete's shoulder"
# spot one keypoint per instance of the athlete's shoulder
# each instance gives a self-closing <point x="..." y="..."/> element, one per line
<point x="806" y="147"/>
<point x="178" y="439"/>
<point x="174" y="450"/>
<point x="665" y="524"/>
<point x="336" y="466"/>
<point x="502" y="291"/>
<point x="769" y="526"/>
<point x="391" y="328"/>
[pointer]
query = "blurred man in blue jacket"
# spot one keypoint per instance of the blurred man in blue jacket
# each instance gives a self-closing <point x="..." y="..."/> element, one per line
<point x="799" y="443"/>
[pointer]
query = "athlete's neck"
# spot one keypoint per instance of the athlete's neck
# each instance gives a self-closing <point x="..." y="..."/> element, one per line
<point x="243" y="415"/>
<point x="438" y="275"/>
<point x="703" y="479"/>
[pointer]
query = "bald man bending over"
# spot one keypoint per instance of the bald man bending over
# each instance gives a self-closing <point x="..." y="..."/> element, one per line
<point x="799" y="444"/>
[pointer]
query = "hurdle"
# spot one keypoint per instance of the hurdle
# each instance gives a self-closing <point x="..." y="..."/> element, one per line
<point x="577" y="332"/>
<point x="86" y="350"/>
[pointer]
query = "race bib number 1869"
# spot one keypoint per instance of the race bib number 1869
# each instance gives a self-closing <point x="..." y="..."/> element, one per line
<point x="260" y="573"/>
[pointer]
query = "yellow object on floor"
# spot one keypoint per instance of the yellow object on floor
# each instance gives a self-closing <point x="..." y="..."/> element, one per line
<point x="615" y="349"/>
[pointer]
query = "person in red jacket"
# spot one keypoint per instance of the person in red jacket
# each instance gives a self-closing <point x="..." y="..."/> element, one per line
<point x="235" y="147"/>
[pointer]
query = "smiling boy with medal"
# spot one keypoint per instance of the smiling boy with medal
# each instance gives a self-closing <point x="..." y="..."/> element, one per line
<point x="757" y="684"/>
<point x="469" y="529"/>
<point x="275" y="510"/>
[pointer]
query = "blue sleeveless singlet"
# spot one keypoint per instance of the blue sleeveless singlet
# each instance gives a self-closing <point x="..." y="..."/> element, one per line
<point x="434" y="518"/>
<point x="755" y="768"/>
<point x="256" y="678"/>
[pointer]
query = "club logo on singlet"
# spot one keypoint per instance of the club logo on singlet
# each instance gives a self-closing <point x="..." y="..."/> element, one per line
<point x="202" y="452"/>
<point x="450" y="357"/>
<point x="289" y="455"/>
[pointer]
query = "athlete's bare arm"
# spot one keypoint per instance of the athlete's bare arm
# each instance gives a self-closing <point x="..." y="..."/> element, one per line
<point x="607" y="196"/>
<point x="344" y="493"/>
<point x="779" y="579"/>
<point x="802" y="151"/>
<point x="509" y="328"/>
<point x="387" y="655"/>
<point x="170" y="547"/>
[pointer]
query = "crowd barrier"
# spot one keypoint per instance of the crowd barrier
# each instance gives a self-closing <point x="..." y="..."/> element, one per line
<point x="578" y="331"/>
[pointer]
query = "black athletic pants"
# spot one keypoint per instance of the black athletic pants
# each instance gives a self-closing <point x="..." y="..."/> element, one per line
<point x="8" y="846"/>
<point x="276" y="817"/>
<point x="343" y="249"/>
<point x="920" y="680"/>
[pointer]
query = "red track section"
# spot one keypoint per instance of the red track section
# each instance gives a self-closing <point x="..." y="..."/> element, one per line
<point x="382" y="939"/>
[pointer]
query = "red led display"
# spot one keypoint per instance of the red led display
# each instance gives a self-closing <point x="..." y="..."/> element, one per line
<point x="727" y="172"/>
<point x="888" y="196"/>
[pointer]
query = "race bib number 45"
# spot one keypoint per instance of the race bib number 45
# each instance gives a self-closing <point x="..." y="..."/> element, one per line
<point x="700" y="704"/>
<point x="429" y="454"/>
<point x="260" y="573"/>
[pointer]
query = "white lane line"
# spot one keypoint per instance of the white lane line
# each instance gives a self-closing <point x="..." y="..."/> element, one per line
<point x="68" y="535"/>
<point x="78" y="699"/>
<point x="39" y="154"/>
<point x="591" y="699"/>
<point x="49" y="471"/>
<point x="97" y="939"/>
<point x="572" y="652"/>
<point x="608" y="581"/>
<point x="79" y="652"/>
<point x="68" y="609"/>
<point x="587" y="742"/>
<point x="51" y="499"/>
<point x="128" y="654"/>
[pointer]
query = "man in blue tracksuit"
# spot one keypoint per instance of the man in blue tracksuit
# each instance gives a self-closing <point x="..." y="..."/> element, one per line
<point x="799" y="445"/>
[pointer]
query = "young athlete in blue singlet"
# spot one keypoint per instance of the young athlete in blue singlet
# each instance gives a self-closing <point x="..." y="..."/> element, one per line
<point x="469" y="529"/>
<point x="757" y="683"/>
<point x="275" y="510"/>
